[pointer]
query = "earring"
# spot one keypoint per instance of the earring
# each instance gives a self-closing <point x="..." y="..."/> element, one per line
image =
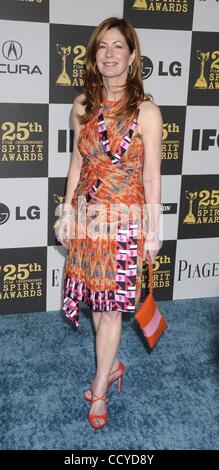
<point x="130" y="69"/>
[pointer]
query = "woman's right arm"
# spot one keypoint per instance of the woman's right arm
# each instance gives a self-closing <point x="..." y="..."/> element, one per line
<point x="63" y="229"/>
<point x="76" y="158"/>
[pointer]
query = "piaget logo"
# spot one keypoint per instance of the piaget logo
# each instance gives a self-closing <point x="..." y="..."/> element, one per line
<point x="161" y="271"/>
<point x="177" y="6"/>
<point x="76" y="56"/>
<point x="206" y="208"/>
<point x="208" y="79"/>
<point x="20" y="280"/>
<point x="170" y="142"/>
<point x="21" y="141"/>
<point x="194" y="271"/>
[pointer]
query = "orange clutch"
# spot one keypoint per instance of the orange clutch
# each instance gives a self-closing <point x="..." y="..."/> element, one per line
<point x="149" y="317"/>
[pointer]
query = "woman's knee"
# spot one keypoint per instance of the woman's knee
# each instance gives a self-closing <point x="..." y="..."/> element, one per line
<point x="112" y="315"/>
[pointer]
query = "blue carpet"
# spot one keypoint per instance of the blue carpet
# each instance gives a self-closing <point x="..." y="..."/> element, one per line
<point x="170" y="398"/>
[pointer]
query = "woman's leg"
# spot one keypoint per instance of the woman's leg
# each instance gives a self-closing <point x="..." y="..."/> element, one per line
<point x="107" y="343"/>
<point x="96" y="321"/>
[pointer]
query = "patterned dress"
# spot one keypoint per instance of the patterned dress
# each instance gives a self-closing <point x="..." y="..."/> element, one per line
<point x="104" y="263"/>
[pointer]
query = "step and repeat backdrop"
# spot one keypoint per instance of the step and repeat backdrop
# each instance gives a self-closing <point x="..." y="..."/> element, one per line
<point x="42" y="51"/>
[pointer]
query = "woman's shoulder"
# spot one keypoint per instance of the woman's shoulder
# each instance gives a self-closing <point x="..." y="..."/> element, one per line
<point x="79" y="104"/>
<point x="148" y="105"/>
<point x="149" y="109"/>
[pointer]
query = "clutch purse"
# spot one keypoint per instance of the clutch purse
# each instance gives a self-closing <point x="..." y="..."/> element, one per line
<point x="149" y="317"/>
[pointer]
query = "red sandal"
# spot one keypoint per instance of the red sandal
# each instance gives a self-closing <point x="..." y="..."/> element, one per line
<point x="119" y="378"/>
<point x="93" y="418"/>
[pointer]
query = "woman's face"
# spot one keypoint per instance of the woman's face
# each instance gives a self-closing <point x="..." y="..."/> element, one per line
<point x="113" y="56"/>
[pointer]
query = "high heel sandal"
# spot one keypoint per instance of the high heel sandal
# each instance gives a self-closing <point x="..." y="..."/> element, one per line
<point x="119" y="378"/>
<point x="93" y="418"/>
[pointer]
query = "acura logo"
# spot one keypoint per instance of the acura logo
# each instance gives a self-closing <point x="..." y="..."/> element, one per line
<point x="12" y="50"/>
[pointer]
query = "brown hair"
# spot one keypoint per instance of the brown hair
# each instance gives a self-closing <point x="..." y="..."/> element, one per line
<point x="133" y="88"/>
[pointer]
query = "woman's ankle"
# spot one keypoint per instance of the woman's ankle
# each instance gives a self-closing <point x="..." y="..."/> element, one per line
<point x="99" y="385"/>
<point x="115" y="365"/>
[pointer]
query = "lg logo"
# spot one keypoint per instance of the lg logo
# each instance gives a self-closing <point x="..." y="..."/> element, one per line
<point x="173" y="68"/>
<point x="205" y="139"/>
<point x="147" y="67"/>
<point x="32" y="213"/>
<point x="4" y="213"/>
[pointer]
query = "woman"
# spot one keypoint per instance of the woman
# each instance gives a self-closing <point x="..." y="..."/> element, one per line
<point x="116" y="160"/>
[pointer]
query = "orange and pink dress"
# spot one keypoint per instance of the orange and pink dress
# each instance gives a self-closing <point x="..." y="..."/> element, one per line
<point x="104" y="260"/>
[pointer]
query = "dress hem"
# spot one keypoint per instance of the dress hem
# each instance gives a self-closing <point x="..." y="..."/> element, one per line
<point x="99" y="301"/>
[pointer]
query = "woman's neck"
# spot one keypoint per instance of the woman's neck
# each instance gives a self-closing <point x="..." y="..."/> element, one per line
<point x="112" y="90"/>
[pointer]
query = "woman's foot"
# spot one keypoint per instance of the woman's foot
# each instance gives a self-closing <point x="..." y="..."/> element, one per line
<point x="116" y="372"/>
<point x="98" y="414"/>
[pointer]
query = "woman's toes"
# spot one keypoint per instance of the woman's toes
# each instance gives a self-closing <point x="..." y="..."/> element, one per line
<point x="88" y="395"/>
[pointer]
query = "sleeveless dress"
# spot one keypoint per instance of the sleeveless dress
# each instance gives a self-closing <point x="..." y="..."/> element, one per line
<point x="104" y="263"/>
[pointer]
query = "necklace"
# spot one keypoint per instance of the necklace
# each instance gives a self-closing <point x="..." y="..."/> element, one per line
<point x="125" y="142"/>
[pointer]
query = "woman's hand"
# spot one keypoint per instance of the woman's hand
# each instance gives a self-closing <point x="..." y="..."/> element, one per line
<point x="63" y="230"/>
<point x="151" y="249"/>
<point x="150" y="254"/>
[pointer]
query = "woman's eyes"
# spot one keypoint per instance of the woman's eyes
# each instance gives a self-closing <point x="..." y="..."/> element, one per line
<point x="102" y="46"/>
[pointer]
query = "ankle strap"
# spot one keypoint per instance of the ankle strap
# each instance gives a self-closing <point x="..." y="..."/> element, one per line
<point x="102" y="397"/>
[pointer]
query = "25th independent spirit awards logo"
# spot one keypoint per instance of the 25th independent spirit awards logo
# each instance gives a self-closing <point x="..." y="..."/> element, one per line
<point x="163" y="272"/>
<point x="23" y="280"/>
<point x="160" y="13"/>
<point x="199" y="207"/>
<point x="31" y="1"/>
<point x="24" y="140"/>
<point x="204" y="69"/>
<point x="25" y="10"/>
<point x="162" y="5"/>
<point x="67" y="65"/>
<point x="173" y="139"/>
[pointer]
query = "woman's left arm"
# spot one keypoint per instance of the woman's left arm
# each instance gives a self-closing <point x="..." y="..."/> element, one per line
<point x="151" y="122"/>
